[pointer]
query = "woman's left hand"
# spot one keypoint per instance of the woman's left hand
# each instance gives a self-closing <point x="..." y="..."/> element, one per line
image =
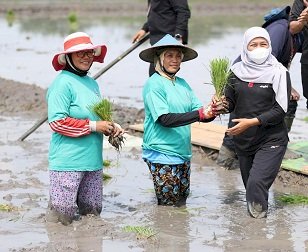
<point x="220" y="105"/>
<point x="294" y="95"/>
<point x="242" y="125"/>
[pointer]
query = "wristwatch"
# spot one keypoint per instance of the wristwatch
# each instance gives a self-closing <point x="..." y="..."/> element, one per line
<point x="178" y="36"/>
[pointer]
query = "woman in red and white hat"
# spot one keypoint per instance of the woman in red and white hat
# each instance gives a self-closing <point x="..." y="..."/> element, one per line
<point x="75" y="154"/>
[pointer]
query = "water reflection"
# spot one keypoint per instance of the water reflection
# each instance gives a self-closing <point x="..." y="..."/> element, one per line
<point x="172" y="226"/>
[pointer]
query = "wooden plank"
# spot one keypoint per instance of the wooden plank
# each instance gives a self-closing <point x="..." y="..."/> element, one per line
<point x="209" y="135"/>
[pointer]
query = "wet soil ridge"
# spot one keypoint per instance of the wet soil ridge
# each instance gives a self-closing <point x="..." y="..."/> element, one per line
<point x="17" y="98"/>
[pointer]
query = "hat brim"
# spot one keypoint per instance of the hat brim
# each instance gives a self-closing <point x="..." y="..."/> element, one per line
<point x="100" y="51"/>
<point x="149" y="54"/>
<point x="283" y="14"/>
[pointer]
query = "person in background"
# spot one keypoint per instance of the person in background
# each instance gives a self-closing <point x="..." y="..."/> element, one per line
<point x="75" y="153"/>
<point x="165" y="17"/>
<point x="170" y="107"/>
<point x="258" y="92"/>
<point x="284" y="49"/>
<point x="298" y="25"/>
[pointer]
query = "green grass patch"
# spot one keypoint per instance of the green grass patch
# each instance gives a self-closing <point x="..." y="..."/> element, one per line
<point x="305" y="119"/>
<point x="106" y="177"/>
<point x="106" y="163"/>
<point x="140" y="231"/>
<point x="293" y="199"/>
<point x="7" y="208"/>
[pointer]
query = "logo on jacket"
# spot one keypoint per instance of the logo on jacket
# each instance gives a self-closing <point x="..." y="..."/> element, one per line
<point x="264" y="86"/>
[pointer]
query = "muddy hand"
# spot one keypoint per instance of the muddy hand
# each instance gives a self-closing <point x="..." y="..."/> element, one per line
<point x="209" y="111"/>
<point x="117" y="130"/>
<point x="221" y="105"/>
<point x="105" y="127"/>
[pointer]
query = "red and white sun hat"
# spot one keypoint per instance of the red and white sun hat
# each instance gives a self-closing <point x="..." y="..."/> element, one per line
<point x="78" y="41"/>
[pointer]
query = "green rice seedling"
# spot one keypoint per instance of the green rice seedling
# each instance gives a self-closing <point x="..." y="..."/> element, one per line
<point x="293" y="199"/>
<point x="103" y="110"/>
<point x="10" y="17"/>
<point x="72" y="17"/>
<point x="140" y="231"/>
<point x="73" y="21"/>
<point x="106" y="176"/>
<point x="7" y="208"/>
<point x="220" y="71"/>
<point x="106" y="163"/>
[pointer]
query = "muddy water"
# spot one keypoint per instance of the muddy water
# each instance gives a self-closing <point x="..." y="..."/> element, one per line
<point x="215" y="217"/>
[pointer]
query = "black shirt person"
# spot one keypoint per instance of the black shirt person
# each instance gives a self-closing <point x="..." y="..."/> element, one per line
<point x="165" y="17"/>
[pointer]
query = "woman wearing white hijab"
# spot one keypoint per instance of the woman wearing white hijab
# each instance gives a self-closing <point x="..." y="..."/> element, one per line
<point x="258" y="93"/>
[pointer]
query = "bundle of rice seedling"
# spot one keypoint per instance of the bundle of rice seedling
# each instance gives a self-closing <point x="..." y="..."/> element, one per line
<point x="103" y="110"/>
<point x="219" y="69"/>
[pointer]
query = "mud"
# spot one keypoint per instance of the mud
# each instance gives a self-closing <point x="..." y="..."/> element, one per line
<point x="214" y="219"/>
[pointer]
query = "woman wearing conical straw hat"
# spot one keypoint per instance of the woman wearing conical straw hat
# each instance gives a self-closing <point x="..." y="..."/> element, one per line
<point x="170" y="107"/>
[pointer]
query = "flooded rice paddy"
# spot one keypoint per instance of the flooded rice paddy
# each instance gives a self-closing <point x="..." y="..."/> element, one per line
<point x="215" y="217"/>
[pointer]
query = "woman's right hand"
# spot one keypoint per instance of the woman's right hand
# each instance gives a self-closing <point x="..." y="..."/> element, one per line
<point x="105" y="127"/>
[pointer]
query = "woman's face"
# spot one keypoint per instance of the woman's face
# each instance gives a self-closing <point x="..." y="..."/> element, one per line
<point x="258" y="42"/>
<point x="83" y="59"/>
<point x="172" y="60"/>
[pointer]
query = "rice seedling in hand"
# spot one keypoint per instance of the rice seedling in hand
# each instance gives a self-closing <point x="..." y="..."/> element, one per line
<point x="103" y="110"/>
<point x="220" y="71"/>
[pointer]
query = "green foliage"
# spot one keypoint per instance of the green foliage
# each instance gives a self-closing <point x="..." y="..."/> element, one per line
<point x="72" y="17"/>
<point x="103" y="110"/>
<point x="219" y="70"/>
<point x="10" y="17"/>
<point x="7" y="208"/>
<point x="141" y="232"/>
<point x="305" y="119"/>
<point x="106" y="177"/>
<point x="73" y="22"/>
<point x="293" y="199"/>
<point x="106" y="163"/>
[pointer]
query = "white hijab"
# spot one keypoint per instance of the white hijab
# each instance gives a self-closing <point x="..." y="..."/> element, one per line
<point x="271" y="71"/>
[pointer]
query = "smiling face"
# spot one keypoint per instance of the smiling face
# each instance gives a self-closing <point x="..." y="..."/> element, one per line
<point x="83" y="59"/>
<point x="258" y="42"/>
<point x="172" y="60"/>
